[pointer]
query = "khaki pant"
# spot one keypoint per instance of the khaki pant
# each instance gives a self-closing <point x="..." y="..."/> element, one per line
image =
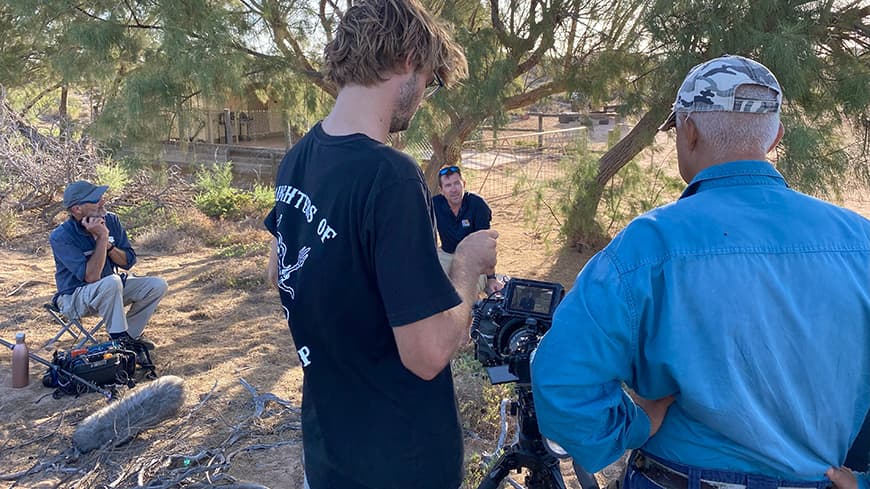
<point x="107" y="298"/>
<point x="446" y="260"/>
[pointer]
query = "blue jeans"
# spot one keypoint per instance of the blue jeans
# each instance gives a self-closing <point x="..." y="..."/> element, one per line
<point x="635" y="479"/>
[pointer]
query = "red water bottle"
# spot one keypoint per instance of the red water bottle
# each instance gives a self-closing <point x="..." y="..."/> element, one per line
<point x="20" y="362"/>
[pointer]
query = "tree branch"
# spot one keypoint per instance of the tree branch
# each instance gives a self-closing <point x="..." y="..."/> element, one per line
<point x="500" y="32"/>
<point x="526" y="98"/>
<point x="39" y="97"/>
<point x="137" y="25"/>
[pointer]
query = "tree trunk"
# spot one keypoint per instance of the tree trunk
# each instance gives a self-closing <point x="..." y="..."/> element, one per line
<point x="581" y="228"/>
<point x="62" y="113"/>
<point x="444" y="152"/>
<point x="62" y="109"/>
<point x="621" y="153"/>
<point x="447" y="149"/>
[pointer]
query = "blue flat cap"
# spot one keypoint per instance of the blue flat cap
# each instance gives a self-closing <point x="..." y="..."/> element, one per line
<point x="83" y="192"/>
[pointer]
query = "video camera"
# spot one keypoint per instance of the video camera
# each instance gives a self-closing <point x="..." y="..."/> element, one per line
<point x="507" y="326"/>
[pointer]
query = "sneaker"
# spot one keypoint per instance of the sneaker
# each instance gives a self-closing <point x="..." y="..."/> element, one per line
<point x="145" y="343"/>
<point x="143" y="359"/>
<point x="124" y="337"/>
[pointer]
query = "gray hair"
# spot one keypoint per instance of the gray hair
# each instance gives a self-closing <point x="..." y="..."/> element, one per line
<point x="725" y="131"/>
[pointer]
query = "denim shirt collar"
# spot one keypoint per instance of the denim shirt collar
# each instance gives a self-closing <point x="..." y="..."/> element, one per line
<point x="746" y="172"/>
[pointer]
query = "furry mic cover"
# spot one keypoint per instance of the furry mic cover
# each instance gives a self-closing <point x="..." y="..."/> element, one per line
<point x="121" y="421"/>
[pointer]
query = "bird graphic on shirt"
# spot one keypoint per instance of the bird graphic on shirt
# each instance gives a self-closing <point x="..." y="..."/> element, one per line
<point x="285" y="270"/>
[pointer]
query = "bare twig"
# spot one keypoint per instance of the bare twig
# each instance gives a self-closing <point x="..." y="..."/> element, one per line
<point x="260" y="400"/>
<point x="171" y="462"/>
<point x="262" y="446"/>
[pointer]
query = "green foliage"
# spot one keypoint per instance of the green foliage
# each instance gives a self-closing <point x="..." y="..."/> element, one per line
<point x="242" y="250"/>
<point x="136" y="217"/>
<point x="217" y="198"/>
<point x="475" y="470"/>
<point x="818" y="52"/>
<point x="9" y="224"/>
<point x="812" y="156"/>
<point x="589" y="213"/>
<point x="580" y="199"/>
<point x="636" y="189"/>
<point x="613" y="137"/>
<point x="262" y="197"/>
<point x="480" y="399"/>
<point x="113" y="174"/>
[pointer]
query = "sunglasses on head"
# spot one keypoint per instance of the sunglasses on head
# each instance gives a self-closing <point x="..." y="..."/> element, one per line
<point x="448" y="170"/>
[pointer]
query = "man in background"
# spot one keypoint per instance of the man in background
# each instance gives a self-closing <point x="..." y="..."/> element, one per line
<point x="726" y="312"/>
<point x="353" y="226"/>
<point x="88" y="249"/>
<point x="459" y="213"/>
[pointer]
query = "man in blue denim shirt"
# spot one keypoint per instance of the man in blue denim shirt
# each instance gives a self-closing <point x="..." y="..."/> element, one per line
<point x="738" y="315"/>
<point x="88" y="248"/>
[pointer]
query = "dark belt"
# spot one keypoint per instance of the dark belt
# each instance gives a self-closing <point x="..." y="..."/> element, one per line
<point x="663" y="475"/>
<point x="670" y="478"/>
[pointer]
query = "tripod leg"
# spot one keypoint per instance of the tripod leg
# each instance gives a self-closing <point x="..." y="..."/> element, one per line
<point x="546" y="477"/>
<point x="498" y="472"/>
<point x="586" y="480"/>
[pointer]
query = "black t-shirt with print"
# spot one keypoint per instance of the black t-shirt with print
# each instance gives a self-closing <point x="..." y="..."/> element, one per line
<point x="357" y="257"/>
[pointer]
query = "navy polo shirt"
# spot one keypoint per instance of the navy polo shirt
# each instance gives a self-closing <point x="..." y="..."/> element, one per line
<point x="474" y="215"/>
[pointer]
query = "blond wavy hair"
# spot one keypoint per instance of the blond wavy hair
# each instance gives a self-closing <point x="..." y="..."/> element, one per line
<point x="375" y="37"/>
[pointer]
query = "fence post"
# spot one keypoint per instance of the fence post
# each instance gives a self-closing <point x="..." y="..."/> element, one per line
<point x="583" y="137"/>
<point x="228" y="127"/>
<point x="540" y="130"/>
<point x="208" y="126"/>
<point x="288" y="132"/>
<point x="274" y="170"/>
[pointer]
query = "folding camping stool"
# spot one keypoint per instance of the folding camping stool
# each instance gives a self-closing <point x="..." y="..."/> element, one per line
<point x="72" y="326"/>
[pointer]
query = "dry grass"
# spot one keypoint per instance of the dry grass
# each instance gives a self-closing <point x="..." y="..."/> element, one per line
<point x="218" y="325"/>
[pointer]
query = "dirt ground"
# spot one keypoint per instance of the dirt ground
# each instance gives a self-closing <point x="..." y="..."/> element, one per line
<point x="219" y="325"/>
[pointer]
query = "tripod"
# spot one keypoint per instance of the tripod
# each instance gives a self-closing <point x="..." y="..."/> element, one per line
<point x="531" y="453"/>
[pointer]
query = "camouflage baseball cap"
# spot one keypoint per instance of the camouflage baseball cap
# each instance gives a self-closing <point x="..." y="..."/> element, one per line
<point x="710" y="87"/>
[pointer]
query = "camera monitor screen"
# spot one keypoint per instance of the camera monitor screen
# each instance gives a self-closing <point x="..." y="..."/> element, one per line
<point x="529" y="298"/>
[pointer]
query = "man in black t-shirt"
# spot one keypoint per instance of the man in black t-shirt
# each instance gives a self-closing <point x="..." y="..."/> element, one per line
<point x="353" y="226"/>
<point x="459" y="213"/>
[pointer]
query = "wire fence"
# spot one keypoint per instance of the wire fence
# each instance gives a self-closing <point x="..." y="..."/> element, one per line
<point x="511" y="165"/>
<point x="493" y="167"/>
<point x="221" y="126"/>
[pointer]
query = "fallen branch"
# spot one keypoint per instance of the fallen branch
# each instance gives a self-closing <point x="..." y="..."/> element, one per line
<point x="26" y="283"/>
<point x="262" y="446"/>
<point x="260" y="400"/>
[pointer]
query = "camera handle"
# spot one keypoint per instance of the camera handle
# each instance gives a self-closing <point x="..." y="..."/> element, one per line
<point x="530" y="452"/>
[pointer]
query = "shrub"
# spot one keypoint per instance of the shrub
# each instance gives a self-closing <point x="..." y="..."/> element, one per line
<point x="588" y="213"/>
<point x="113" y="174"/>
<point x="263" y="197"/>
<point x="217" y="198"/>
<point x="8" y="224"/>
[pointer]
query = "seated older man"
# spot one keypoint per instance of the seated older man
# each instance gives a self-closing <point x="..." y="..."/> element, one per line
<point x="88" y="250"/>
